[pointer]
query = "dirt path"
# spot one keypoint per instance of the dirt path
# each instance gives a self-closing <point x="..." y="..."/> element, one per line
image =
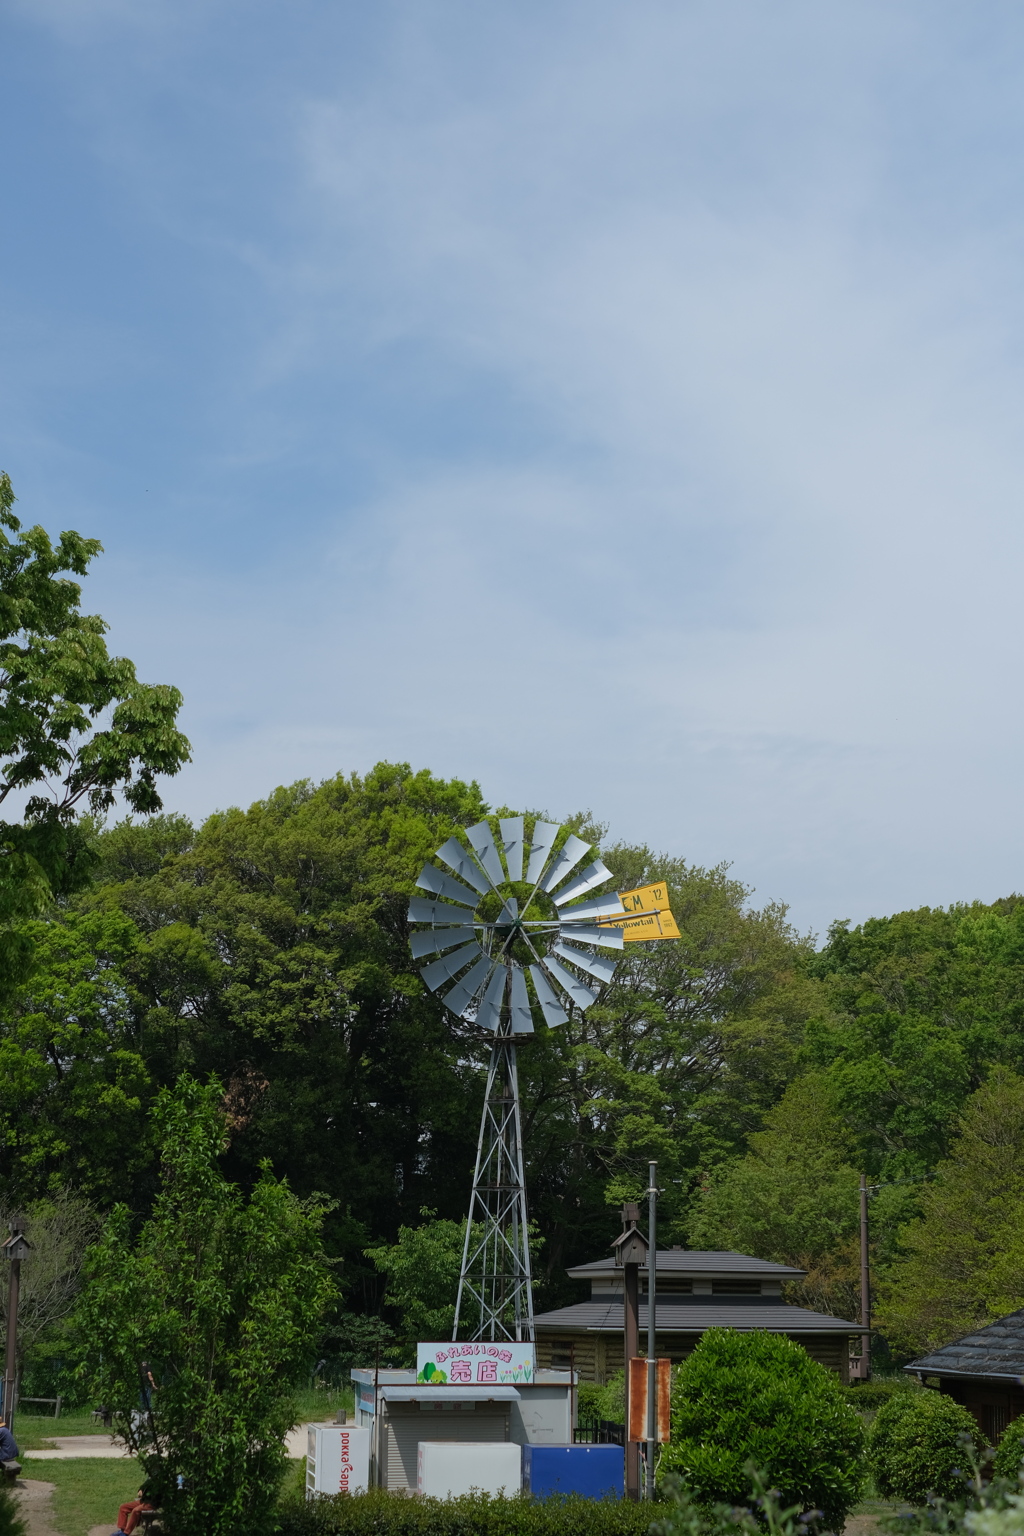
<point x="857" y="1525"/>
<point x="36" y="1503"/>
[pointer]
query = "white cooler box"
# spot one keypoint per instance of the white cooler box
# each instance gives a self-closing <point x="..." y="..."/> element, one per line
<point x="446" y="1468"/>
<point x="337" y="1459"/>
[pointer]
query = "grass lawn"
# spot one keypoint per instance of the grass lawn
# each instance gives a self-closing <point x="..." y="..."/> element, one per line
<point x="865" y="1517"/>
<point x="315" y="1404"/>
<point x="89" y="1490"/>
<point x="32" y="1430"/>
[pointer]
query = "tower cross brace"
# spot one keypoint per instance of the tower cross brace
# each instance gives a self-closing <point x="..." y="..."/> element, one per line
<point x="495" y="1298"/>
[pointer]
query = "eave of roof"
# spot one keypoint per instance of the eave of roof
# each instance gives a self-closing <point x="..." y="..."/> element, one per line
<point x="968" y="1375"/>
<point x="995" y="1352"/>
<point x="699" y="1263"/>
<point x="694" y="1314"/>
<point x="450" y="1394"/>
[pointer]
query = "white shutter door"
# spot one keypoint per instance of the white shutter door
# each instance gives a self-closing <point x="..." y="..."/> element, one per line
<point x="405" y="1432"/>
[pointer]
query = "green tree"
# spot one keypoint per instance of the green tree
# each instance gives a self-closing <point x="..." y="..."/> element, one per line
<point x="678" y="1060"/>
<point x="59" y="1230"/>
<point x="921" y="1005"/>
<point x="77" y="728"/>
<point x="422" y="1271"/>
<point x="74" y="1082"/>
<point x="220" y="1300"/>
<point x="270" y="948"/>
<point x="758" y="1398"/>
<point x="793" y="1198"/>
<point x="962" y="1262"/>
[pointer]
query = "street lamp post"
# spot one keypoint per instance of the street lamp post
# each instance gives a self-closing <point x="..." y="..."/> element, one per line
<point x="14" y="1250"/>
<point x="652" y="1353"/>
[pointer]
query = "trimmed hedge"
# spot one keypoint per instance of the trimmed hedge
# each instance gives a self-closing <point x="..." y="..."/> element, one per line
<point x="873" y="1394"/>
<point x="918" y="1446"/>
<point x="1010" y="1455"/>
<point x="382" y="1513"/>
<point x="757" y="1398"/>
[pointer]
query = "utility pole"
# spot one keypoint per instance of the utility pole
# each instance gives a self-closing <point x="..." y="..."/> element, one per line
<point x="652" y="1353"/>
<point x="630" y="1253"/>
<point x="865" y="1282"/>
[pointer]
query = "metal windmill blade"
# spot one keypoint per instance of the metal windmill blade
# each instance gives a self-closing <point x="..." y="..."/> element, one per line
<point x="509" y="911"/>
<point x="505" y="939"/>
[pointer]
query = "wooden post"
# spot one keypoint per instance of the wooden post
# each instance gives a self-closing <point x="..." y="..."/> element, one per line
<point x="11" y="1370"/>
<point x="630" y="1253"/>
<point x="865" y="1283"/>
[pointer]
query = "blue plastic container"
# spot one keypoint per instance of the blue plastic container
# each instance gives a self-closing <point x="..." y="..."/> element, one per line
<point x="593" y="1471"/>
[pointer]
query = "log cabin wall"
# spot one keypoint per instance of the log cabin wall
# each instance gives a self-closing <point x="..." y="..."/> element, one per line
<point x="993" y="1404"/>
<point x="598" y="1356"/>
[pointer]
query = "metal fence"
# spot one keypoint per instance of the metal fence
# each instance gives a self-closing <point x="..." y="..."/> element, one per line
<point x="600" y="1432"/>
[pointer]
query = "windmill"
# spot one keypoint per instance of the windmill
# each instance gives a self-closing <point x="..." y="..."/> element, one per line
<point x="516" y="933"/>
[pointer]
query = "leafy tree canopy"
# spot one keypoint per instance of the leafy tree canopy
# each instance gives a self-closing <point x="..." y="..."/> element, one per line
<point x="920" y="1006"/>
<point x="422" y="1271"/>
<point x="963" y="1258"/>
<point x="77" y="727"/>
<point x="270" y="947"/>
<point x="793" y="1198"/>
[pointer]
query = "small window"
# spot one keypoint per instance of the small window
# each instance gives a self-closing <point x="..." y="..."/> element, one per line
<point x="735" y="1287"/>
<point x="672" y="1287"/>
<point x="995" y="1419"/>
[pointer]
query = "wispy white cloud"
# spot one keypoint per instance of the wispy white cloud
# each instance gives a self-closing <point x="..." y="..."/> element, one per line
<point x="661" y="371"/>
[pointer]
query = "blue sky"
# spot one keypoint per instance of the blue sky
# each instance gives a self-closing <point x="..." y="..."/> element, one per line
<point x="620" y="405"/>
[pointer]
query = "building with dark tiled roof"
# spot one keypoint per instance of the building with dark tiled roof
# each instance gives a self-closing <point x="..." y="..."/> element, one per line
<point x="694" y="1291"/>
<point x="984" y="1371"/>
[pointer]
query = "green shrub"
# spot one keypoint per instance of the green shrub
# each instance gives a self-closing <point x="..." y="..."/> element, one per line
<point x="588" y="1402"/>
<point x="1002" y="1518"/>
<point x="380" y="1513"/>
<point x="873" y="1394"/>
<point x="11" y="1522"/>
<point x="758" y="1398"/>
<point x="607" y="1402"/>
<point x="919" y="1444"/>
<point x="762" y="1512"/>
<point x="384" y="1513"/>
<point x="1010" y="1455"/>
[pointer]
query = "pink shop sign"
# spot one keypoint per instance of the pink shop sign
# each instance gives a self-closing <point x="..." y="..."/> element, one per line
<point x="474" y="1365"/>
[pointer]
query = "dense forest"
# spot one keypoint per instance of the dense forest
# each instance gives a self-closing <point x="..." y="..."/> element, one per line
<point x="264" y="955"/>
<point x="268" y="948"/>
